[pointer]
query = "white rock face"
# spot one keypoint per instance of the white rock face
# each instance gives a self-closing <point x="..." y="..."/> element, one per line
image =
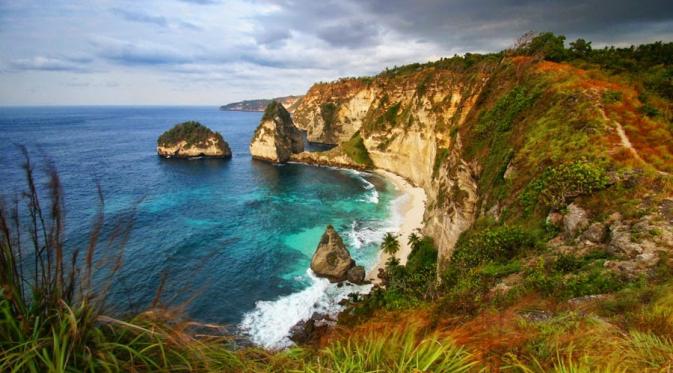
<point x="181" y="150"/>
<point x="276" y="137"/>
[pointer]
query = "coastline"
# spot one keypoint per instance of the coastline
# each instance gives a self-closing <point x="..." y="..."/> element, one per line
<point x="411" y="211"/>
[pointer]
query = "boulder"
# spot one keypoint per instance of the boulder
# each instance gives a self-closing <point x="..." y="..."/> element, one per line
<point x="192" y="139"/>
<point x="574" y="221"/>
<point x="276" y="137"/>
<point x="596" y="233"/>
<point x="331" y="258"/>
<point x="356" y="275"/>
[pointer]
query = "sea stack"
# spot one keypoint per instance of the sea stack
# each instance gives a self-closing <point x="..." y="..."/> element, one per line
<point x="192" y="139"/>
<point x="331" y="259"/>
<point x="276" y="137"/>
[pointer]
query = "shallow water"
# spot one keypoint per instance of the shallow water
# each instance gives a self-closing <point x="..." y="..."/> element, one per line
<point x="236" y="236"/>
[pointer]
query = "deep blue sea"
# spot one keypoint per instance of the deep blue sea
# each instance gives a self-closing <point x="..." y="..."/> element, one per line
<point x="234" y="238"/>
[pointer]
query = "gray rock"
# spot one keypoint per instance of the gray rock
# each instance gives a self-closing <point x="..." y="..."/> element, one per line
<point x="574" y="221"/>
<point x="596" y="233"/>
<point x="356" y="275"/>
<point x="620" y="241"/>
<point x="331" y="258"/>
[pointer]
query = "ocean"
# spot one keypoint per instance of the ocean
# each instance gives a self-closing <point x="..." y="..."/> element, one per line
<point x="233" y="238"/>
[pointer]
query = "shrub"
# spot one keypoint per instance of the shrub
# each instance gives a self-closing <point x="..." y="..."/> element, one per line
<point x="557" y="184"/>
<point x="497" y="244"/>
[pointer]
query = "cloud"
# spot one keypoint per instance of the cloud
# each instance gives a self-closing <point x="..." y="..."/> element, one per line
<point x="201" y="2"/>
<point x="140" y="17"/>
<point x="138" y="54"/>
<point x="227" y="50"/>
<point x="42" y="63"/>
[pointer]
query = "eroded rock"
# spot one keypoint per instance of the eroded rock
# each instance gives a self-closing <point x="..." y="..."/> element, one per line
<point x="276" y="138"/>
<point x="331" y="258"/>
<point x="356" y="275"/>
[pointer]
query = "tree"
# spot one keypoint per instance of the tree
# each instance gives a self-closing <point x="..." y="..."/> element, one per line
<point x="414" y="240"/>
<point x="580" y="47"/>
<point x="390" y="244"/>
<point x="548" y="45"/>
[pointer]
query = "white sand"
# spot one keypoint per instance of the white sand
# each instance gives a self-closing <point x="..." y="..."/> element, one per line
<point x="411" y="212"/>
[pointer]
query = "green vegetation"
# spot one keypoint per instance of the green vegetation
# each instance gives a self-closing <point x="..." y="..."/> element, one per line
<point x="355" y="149"/>
<point x="328" y="112"/>
<point x="276" y="108"/>
<point x="193" y="133"/>
<point x="390" y="245"/>
<point x="557" y="184"/>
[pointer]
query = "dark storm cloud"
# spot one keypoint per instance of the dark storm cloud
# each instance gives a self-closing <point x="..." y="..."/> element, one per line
<point x="472" y="25"/>
<point x="337" y="23"/>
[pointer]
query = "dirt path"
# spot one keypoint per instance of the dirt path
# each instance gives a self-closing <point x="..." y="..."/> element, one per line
<point x="624" y="139"/>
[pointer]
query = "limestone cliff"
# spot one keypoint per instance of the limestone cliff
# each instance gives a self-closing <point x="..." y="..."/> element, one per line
<point x="192" y="139"/>
<point x="477" y="133"/>
<point x="276" y="137"/>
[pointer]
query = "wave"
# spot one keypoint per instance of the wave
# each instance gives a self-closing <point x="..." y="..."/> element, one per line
<point x="269" y="324"/>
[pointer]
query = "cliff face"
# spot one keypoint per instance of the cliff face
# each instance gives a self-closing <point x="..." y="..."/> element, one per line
<point x="276" y="137"/>
<point x="477" y="132"/>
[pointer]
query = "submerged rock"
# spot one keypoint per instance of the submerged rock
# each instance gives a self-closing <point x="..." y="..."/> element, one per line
<point x="192" y="139"/>
<point x="331" y="259"/>
<point x="276" y="137"/>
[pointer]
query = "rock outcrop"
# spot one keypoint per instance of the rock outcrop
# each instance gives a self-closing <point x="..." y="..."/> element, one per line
<point x="331" y="259"/>
<point x="276" y="138"/>
<point x="356" y="275"/>
<point x="192" y="139"/>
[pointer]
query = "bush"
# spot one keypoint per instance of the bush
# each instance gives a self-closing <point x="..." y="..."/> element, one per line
<point x="557" y="184"/>
<point x="497" y="244"/>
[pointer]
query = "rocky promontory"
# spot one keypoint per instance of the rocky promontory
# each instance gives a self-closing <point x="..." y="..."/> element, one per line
<point x="192" y="139"/>
<point x="276" y="138"/>
<point x="331" y="259"/>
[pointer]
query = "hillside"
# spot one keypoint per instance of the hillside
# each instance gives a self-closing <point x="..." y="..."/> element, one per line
<point x="548" y="175"/>
<point x="547" y="243"/>
<point x="259" y="105"/>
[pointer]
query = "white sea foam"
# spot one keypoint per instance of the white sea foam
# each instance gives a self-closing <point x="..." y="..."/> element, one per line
<point x="373" y="195"/>
<point x="269" y="324"/>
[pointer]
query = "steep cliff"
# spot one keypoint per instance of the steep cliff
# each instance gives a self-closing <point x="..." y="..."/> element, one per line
<point x="276" y="137"/>
<point x="480" y="133"/>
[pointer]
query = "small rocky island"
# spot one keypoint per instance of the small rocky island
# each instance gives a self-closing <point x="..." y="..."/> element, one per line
<point x="333" y="261"/>
<point x="276" y="137"/>
<point x="192" y="139"/>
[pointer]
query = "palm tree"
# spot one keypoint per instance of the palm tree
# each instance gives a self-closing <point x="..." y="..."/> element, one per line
<point x="390" y="245"/>
<point x="414" y="240"/>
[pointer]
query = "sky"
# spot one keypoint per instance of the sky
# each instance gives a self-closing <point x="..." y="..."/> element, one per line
<point x="211" y="52"/>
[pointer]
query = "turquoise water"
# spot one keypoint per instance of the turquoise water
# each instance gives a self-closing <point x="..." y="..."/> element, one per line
<point x="234" y="237"/>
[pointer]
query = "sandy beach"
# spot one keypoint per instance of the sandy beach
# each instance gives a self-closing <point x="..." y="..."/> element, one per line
<point x="411" y="211"/>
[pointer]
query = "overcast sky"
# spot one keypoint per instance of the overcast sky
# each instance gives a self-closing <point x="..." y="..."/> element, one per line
<point x="207" y="52"/>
